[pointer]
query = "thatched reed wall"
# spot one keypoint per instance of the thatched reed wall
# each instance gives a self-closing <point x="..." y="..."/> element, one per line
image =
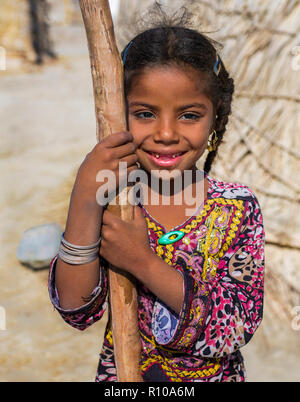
<point x="261" y="147"/>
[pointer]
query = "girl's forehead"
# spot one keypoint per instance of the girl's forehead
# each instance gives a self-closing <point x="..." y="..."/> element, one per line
<point x="172" y="78"/>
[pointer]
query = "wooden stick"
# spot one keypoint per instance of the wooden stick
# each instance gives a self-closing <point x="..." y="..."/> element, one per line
<point x="107" y="75"/>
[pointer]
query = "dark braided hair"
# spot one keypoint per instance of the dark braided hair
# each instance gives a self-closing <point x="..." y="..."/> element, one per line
<point x="165" y="45"/>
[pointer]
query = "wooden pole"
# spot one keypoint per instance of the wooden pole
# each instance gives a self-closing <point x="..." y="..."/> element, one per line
<point x="107" y="75"/>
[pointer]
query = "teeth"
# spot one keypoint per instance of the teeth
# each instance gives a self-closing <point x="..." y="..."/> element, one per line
<point x="173" y="156"/>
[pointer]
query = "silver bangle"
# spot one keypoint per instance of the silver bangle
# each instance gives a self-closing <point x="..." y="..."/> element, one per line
<point x="78" y="255"/>
<point x="73" y="246"/>
<point x="76" y="260"/>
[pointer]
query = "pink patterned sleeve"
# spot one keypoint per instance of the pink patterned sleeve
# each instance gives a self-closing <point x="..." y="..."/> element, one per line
<point x="220" y="315"/>
<point x="84" y="316"/>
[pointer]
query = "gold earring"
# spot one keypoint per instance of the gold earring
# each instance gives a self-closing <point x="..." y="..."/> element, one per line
<point x="212" y="143"/>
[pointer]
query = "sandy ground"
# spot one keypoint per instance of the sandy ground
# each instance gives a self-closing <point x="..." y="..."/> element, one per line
<point x="47" y="128"/>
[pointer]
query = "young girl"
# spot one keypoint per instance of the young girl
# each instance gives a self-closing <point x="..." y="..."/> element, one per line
<point x="200" y="293"/>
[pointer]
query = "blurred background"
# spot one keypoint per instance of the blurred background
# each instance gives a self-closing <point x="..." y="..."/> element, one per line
<point x="47" y="126"/>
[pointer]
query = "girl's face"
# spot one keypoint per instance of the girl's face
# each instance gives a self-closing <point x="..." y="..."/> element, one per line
<point x="170" y="117"/>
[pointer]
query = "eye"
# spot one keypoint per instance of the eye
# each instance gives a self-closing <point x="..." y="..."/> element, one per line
<point x="144" y="115"/>
<point x="190" y="116"/>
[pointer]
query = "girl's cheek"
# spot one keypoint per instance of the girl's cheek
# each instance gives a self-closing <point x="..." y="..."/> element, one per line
<point x="133" y="127"/>
<point x="136" y="138"/>
<point x="138" y="133"/>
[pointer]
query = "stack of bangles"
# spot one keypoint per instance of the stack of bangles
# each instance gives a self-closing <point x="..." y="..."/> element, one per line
<point x="78" y="255"/>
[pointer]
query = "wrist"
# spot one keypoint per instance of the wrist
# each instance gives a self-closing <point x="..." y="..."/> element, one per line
<point x="83" y="224"/>
<point x="86" y="201"/>
<point x="142" y="264"/>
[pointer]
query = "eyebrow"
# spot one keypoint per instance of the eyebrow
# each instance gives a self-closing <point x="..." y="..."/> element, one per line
<point x="197" y="105"/>
<point x="184" y="107"/>
<point x="147" y="105"/>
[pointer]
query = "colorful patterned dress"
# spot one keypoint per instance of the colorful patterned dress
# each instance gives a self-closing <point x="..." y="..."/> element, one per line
<point x="221" y="258"/>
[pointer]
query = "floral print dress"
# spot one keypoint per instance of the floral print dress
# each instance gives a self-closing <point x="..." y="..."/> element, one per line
<point x="221" y="258"/>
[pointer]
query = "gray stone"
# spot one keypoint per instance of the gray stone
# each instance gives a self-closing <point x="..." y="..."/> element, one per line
<point x="39" y="245"/>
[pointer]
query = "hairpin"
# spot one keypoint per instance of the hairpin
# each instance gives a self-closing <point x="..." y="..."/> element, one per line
<point x="125" y="51"/>
<point x="217" y="66"/>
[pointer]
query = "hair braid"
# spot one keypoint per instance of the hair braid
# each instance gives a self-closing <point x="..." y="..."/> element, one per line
<point x="225" y="92"/>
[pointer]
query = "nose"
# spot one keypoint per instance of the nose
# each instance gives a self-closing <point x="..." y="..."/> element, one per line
<point x="166" y="132"/>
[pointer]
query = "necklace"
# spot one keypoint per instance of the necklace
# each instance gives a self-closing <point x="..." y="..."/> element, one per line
<point x="166" y="238"/>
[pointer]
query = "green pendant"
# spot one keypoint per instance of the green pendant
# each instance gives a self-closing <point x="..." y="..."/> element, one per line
<point x="165" y="239"/>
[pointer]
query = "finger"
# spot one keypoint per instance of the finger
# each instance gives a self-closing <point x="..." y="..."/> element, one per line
<point x="117" y="139"/>
<point x="124" y="150"/>
<point x="108" y="218"/>
<point x="130" y="160"/>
